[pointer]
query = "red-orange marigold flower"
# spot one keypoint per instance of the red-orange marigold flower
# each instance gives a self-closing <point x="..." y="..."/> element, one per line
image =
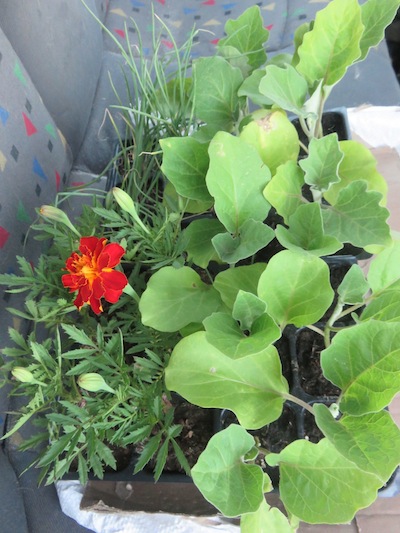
<point x="91" y="273"/>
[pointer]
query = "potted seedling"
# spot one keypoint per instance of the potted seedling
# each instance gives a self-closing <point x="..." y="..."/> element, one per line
<point x="194" y="288"/>
<point x="275" y="204"/>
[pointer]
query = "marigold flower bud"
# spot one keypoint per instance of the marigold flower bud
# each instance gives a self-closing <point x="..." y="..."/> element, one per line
<point x="22" y="374"/>
<point x="56" y="214"/>
<point x="93" y="382"/>
<point x="127" y="204"/>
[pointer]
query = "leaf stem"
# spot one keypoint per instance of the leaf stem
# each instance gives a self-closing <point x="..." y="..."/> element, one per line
<point x="350" y="310"/>
<point x="333" y="318"/>
<point x="303" y="147"/>
<point x="299" y="402"/>
<point x="317" y="330"/>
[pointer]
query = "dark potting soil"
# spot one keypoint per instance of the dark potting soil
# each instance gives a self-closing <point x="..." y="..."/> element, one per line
<point x="122" y="455"/>
<point x="309" y="345"/>
<point x="311" y="430"/>
<point x="332" y="122"/>
<point x="282" y="345"/>
<point x="197" y="429"/>
<point x="277" y="435"/>
<point x="273" y="437"/>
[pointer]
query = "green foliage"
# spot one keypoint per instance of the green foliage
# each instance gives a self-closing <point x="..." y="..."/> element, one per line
<point x="266" y="520"/>
<point x="185" y="164"/>
<point x="215" y="76"/>
<point x="211" y="295"/>
<point x="306" y="232"/>
<point x="364" y="362"/>
<point x="82" y="427"/>
<point x="207" y="377"/>
<point x="199" y="237"/>
<point x="296" y="288"/>
<point x="358" y="217"/>
<point x="224" y="333"/>
<point x="286" y="87"/>
<point x="321" y="167"/>
<point x="333" y="44"/>
<point x="307" y="465"/>
<point x="236" y="178"/>
<point x="175" y="298"/>
<point x="230" y="483"/>
<point x="247" y="36"/>
<point x="352" y="436"/>
<point x="330" y="196"/>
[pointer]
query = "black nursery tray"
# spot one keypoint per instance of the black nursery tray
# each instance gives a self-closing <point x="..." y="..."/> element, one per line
<point x="173" y="493"/>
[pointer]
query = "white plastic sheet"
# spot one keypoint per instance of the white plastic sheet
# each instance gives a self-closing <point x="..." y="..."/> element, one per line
<point x="70" y="495"/>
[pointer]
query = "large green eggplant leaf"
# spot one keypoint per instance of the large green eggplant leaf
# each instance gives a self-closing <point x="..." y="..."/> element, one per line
<point x="385" y="306"/>
<point x="247" y="35"/>
<point x="296" y="288"/>
<point x="224" y="333"/>
<point x="273" y="135"/>
<point x="358" y="163"/>
<point x="371" y="441"/>
<point x="185" y="163"/>
<point x="199" y="234"/>
<point x="284" y="189"/>
<point x="364" y="361"/>
<point x="206" y="377"/>
<point x="306" y="232"/>
<point x="285" y="87"/>
<point x="357" y="217"/>
<point x="253" y="235"/>
<point x="353" y="287"/>
<point x="333" y="43"/>
<point x="376" y="16"/>
<point x="230" y="484"/>
<point x="176" y="297"/>
<point x="215" y="88"/>
<point x="384" y="268"/>
<point x="229" y="282"/>
<point x="236" y="179"/>
<point x="321" y="167"/>
<point x="266" y="520"/>
<point x="319" y="485"/>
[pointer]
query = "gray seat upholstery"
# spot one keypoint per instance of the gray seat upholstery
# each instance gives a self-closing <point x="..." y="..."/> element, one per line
<point x="56" y="62"/>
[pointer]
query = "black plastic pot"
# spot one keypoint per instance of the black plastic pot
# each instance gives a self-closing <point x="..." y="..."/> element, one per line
<point x="174" y="492"/>
<point x="333" y="121"/>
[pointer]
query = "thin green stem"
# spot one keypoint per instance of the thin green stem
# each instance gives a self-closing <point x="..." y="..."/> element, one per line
<point x="298" y="401"/>
<point x="333" y="318"/>
<point x="317" y="330"/>
<point x="304" y="127"/>
<point x="350" y="310"/>
<point x="303" y="146"/>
